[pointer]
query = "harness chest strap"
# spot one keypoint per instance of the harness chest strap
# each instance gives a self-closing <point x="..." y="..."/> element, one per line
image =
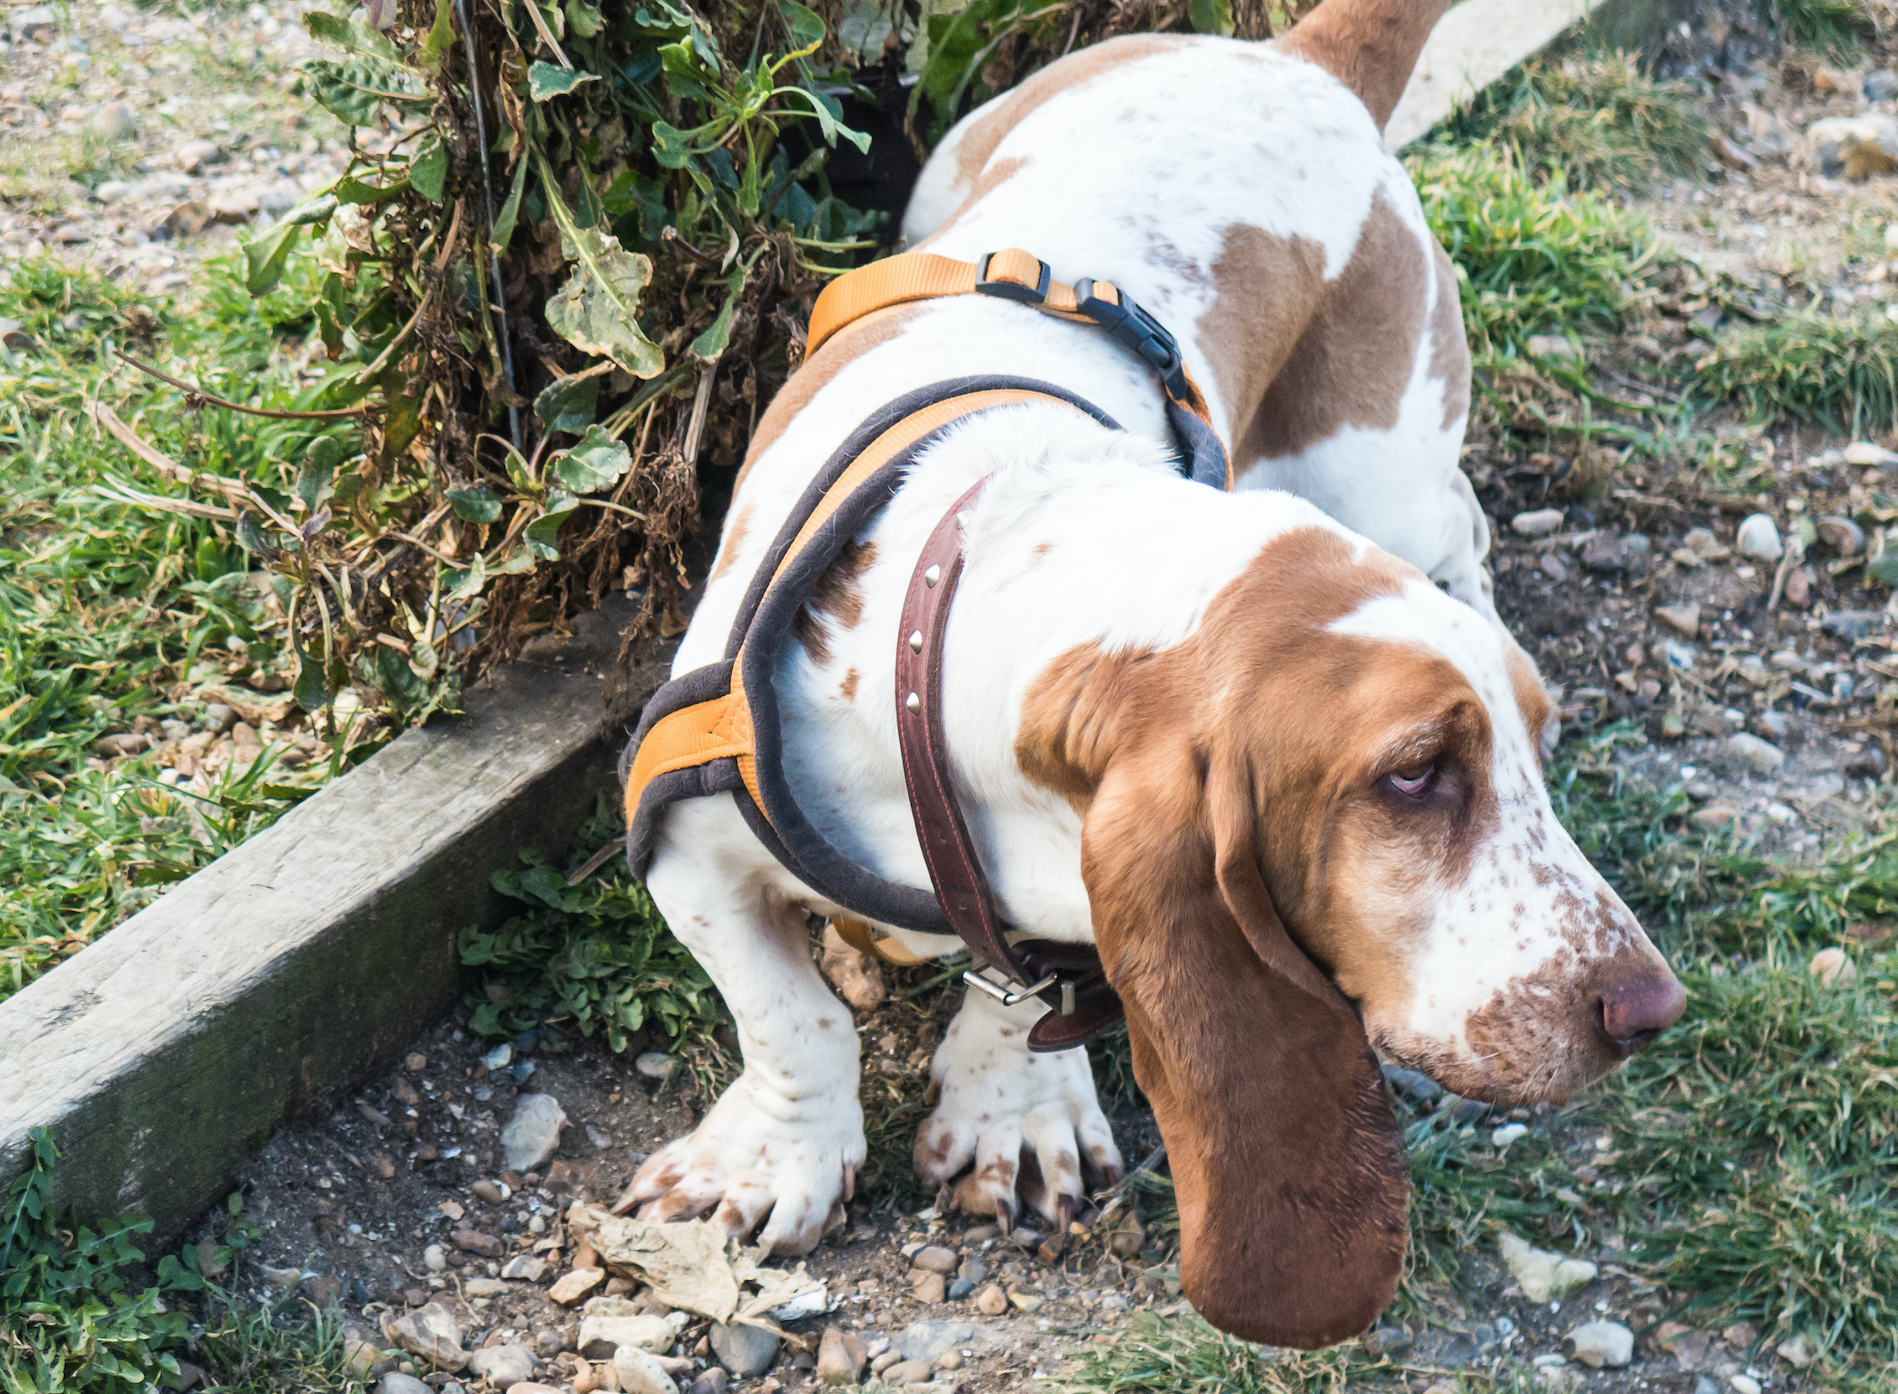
<point x="1013" y="274"/>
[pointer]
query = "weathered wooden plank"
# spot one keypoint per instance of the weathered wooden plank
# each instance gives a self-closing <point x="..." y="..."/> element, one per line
<point x="274" y="980"/>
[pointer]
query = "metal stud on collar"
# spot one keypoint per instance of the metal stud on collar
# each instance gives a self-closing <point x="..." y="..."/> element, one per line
<point x="912" y="704"/>
<point x="933" y="575"/>
<point x="916" y="641"/>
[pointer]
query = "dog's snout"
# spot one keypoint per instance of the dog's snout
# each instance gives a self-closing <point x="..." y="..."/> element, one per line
<point x="1630" y="1014"/>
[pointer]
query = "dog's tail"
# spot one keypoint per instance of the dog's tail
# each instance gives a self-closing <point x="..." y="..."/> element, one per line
<point x="1368" y="45"/>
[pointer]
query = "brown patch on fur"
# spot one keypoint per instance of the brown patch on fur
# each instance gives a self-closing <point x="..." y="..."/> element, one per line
<point x="1352" y="360"/>
<point x="1266" y="289"/>
<point x="975" y="147"/>
<point x="838" y="594"/>
<point x="1449" y="348"/>
<point x="734" y="539"/>
<point x="1531" y="699"/>
<point x="847" y="689"/>
<point x="839" y="350"/>
<point x="1368" y="45"/>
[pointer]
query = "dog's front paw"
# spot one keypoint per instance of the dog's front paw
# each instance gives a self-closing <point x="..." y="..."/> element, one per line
<point x="758" y="1158"/>
<point x="1015" y="1122"/>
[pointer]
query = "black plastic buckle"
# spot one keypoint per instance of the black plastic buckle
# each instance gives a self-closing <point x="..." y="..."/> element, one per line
<point x="1011" y="290"/>
<point x="1136" y="329"/>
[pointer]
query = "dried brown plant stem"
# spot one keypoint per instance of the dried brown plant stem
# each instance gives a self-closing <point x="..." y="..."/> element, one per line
<point x="197" y="396"/>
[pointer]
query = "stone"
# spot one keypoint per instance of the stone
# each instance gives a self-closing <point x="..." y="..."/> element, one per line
<point x="571" y="1286"/>
<point x="1609" y="552"/>
<point x="639" y="1372"/>
<point x="484" y="1287"/>
<point x="1868" y="763"/>
<point x="600" y="1336"/>
<point x="1744" y="1384"/>
<point x="959" y="1288"/>
<point x="1553" y="346"/>
<point x="1758" y="537"/>
<point x="656" y="1064"/>
<point x="1538" y="522"/>
<point x="907" y="1372"/>
<point x="1798" y="589"/>
<point x="925" y="1340"/>
<point x="1552" y="566"/>
<point x="1714" y="815"/>
<point x="1842" y="535"/>
<point x="1832" y="968"/>
<point x="522" y="1268"/>
<point x="1851" y="624"/>
<point x="533" y="1134"/>
<point x="1757" y="754"/>
<point x="503" y="1366"/>
<point x="1683" y="619"/>
<point x="1687" y="1346"/>
<point x="39" y="24"/>
<point x="194" y="155"/>
<point x="1413" y="1083"/>
<point x="487" y="1190"/>
<point x="1865" y="453"/>
<point x="114" y="121"/>
<point x="1854" y="147"/>
<point x="1703" y="543"/>
<point x="1544" y="1275"/>
<point x="532" y="1387"/>
<point x="430" y="1332"/>
<point x="840" y="1357"/>
<point x="416" y="1061"/>
<point x="13" y="335"/>
<point x="936" y="1259"/>
<point x="1796" y="1351"/>
<point x="473" y="1241"/>
<point x="1881" y="85"/>
<point x="745" y="1351"/>
<point x="1508" y="1133"/>
<point x="857" y="976"/>
<point x="928" y="1287"/>
<point x="1741" y="1335"/>
<point x="1603" y="1343"/>
<point x="713" y="1381"/>
<point x="991" y="1301"/>
<point x="397" y="1383"/>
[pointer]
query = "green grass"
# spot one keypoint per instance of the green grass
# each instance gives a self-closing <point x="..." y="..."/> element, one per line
<point x="1838" y="26"/>
<point x="110" y="612"/>
<point x="1532" y="255"/>
<point x="1594" y="121"/>
<point x="1841" y="372"/>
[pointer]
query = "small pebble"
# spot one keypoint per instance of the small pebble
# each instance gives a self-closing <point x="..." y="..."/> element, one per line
<point x="1758" y="537"/>
<point x="656" y="1064"/>
<point x="1539" y="522"/>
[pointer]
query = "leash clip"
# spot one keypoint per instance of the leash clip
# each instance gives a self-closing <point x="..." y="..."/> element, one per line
<point x="1139" y="331"/>
<point x="977" y="977"/>
<point x="1011" y="288"/>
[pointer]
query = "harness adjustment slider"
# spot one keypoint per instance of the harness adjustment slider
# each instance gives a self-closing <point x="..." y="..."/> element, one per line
<point x="1011" y="289"/>
<point x="1137" y="330"/>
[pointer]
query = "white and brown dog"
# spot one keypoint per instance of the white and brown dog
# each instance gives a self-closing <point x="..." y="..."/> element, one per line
<point x="1240" y="742"/>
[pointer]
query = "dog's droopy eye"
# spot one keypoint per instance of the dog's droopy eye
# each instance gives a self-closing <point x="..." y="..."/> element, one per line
<point x="1413" y="784"/>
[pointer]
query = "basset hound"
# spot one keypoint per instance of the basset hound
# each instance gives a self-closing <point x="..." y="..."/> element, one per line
<point x="1272" y="755"/>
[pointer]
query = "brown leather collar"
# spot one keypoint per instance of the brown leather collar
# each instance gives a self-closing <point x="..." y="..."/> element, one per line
<point x="1068" y="977"/>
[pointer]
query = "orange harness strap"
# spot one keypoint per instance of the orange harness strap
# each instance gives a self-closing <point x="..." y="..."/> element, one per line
<point x="1012" y="274"/>
<point x="721" y="727"/>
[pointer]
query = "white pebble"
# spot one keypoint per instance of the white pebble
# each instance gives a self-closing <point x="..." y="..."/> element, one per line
<point x="1758" y="537"/>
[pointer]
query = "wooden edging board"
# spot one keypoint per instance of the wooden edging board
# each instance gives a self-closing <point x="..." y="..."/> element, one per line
<point x="275" y="980"/>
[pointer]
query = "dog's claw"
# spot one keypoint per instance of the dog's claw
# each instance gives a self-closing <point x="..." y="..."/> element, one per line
<point x="628" y="1199"/>
<point x="1065" y="1209"/>
<point x="1005" y="1216"/>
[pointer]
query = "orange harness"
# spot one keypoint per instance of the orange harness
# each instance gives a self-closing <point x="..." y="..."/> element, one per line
<point x="716" y="729"/>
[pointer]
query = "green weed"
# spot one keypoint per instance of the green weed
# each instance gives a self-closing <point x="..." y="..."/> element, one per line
<point x="1841" y="372"/>
<point x="595" y="954"/>
<point x="1839" y="26"/>
<point x="1593" y="121"/>
<point x="113" y="611"/>
<point x="1185" y="1355"/>
<point x="1532" y="255"/>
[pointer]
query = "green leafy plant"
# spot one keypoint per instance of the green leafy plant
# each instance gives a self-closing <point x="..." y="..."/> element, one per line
<point x="594" y="953"/>
<point x="67" y="1321"/>
<point x="1841" y="372"/>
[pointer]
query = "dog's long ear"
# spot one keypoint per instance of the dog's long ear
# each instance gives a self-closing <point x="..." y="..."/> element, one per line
<point x="1368" y="45"/>
<point x="1288" y="1167"/>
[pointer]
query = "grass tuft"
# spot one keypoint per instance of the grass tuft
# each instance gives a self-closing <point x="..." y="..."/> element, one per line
<point x="1531" y="255"/>
<point x="1841" y="372"/>
<point x="1593" y="121"/>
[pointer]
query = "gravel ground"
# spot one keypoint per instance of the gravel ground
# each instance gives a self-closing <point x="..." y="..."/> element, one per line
<point x="138" y="142"/>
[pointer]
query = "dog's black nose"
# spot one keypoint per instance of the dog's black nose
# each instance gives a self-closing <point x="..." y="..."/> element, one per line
<point x="1630" y="1014"/>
